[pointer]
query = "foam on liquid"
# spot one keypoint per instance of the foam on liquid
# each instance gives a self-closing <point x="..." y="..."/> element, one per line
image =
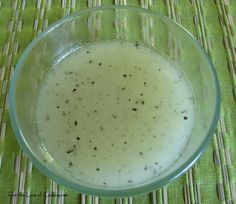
<point x="115" y="113"/>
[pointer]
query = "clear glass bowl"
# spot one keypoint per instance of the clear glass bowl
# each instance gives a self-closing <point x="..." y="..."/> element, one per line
<point x="106" y="23"/>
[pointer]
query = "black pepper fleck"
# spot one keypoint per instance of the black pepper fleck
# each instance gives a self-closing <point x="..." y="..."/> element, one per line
<point x="75" y="123"/>
<point x="140" y="153"/>
<point x="90" y="61"/>
<point x="87" y="52"/>
<point x="95" y="148"/>
<point x="100" y="64"/>
<point x="114" y="116"/>
<point x="134" y="109"/>
<point x="145" y="168"/>
<point x="74" y="90"/>
<point x="93" y="82"/>
<point x="78" y="138"/>
<point x="70" y="151"/>
<point x="185" y="118"/>
<point x="58" y="106"/>
<point x="97" y="169"/>
<point x="123" y="88"/>
<point x="124" y="75"/>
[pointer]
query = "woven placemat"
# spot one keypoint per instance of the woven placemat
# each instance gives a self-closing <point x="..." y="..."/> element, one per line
<point x="212" y="180"/>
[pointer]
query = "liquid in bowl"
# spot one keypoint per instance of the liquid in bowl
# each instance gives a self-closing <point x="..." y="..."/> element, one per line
<point x="115" y="113"/>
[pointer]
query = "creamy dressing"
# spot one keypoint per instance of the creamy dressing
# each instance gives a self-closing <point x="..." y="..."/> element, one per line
<point x="115" y="113"/>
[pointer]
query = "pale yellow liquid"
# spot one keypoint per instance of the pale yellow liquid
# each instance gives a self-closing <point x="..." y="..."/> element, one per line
<point x="115" y="114"/>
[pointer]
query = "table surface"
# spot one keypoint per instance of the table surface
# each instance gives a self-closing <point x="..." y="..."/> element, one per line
<point x="212" y="179"/>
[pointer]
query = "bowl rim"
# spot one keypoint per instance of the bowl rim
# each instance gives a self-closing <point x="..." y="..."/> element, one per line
<point x="93" y="190"/>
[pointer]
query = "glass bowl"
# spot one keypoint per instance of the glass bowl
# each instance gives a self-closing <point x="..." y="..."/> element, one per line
<point x="106" y="23"/>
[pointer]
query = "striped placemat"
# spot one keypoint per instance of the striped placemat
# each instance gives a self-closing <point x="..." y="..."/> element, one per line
<point x="212" y="180"/>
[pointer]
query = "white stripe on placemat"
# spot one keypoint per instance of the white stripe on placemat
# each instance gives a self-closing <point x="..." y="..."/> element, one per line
<point x="83" y="199"/>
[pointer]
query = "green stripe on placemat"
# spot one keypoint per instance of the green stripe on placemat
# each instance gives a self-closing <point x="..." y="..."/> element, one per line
<point x="212" y="179"/>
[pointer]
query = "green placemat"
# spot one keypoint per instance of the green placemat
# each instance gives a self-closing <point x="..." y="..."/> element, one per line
<point x="212" y="180"/>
